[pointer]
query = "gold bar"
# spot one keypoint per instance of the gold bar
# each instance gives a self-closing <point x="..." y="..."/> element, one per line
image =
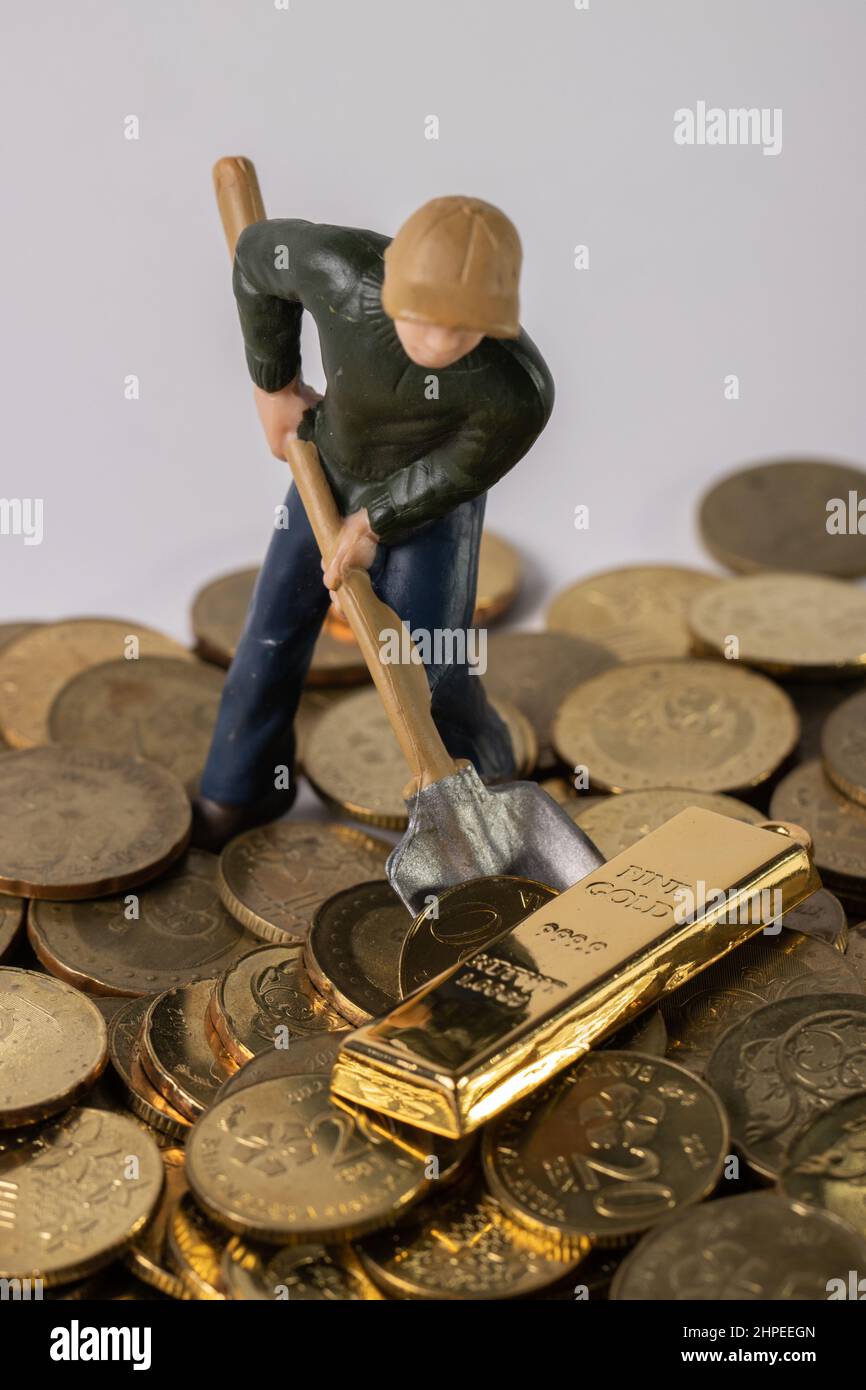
<point x="481" y="1036"/>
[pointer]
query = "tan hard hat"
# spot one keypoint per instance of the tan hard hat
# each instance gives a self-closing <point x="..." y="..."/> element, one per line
<point x="456" y="263"/>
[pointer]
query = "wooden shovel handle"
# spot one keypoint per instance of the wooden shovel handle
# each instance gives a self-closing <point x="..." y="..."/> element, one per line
<point x="238" y="196"/>
<point x="403" y="686"/>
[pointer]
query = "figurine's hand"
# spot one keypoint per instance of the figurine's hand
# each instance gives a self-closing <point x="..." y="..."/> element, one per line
<point x="356" y="549"/>
<point x="280" y="412"/>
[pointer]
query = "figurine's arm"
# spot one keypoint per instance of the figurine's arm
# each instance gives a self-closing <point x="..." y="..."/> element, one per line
<point x="432" y="486"/>
<point x="282" y="266"/>
<point x="466" y="466"/>
<point x="421" y="492"/>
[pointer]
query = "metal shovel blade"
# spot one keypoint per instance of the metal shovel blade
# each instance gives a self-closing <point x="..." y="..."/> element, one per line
<point x="459" y="829"/>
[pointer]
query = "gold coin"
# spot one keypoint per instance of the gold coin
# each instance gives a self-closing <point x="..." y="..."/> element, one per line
<point x="574" y="803"/>
<point x="218" y="613"/>
<point x="700" y="725"/>
<point x="500" y="572"/>
<point x="10" y="632"/>
<point x="273" y="878"/>
<point x="53" y="1046"/>
<point x="844" y="747"/>
<point x="354" y="762"/>
<point x="464" y="1247"/>
<point x="825" y="1165"/>
<point x="534" y="671"/>
<point x="71" y="1199"/>
<point x="646" y="1033"/>
<point x="265" y="999"/>
<point x="774" y="515"/>
<point x="159" y="707"/>
<point x="11" y="922"/>
<point x="352" y="953"/>
<point x="176" y="1052"/>
<point x="836" y="824"/>
<point x="779" y="1068"/>
<point x="299" y="1273"/>
<point x="150" y="1105"/>
<point x="463" y="920"/>
<point x="756" y="1246"/>
<point x="107" y="1004"/>
<point x="34" y="668"/>
<point x="75" y="823"/>
<point x="281" y="1162"/>
<point x="637" y="612"/>
<point x="822" y="916"/>
<point x="785" y="624"/>
<point x="195" y="1250"/>
<point x="579" y="805"/>
<point x="814" y="702"/>
<point x="337" y="658"/>
<point x="301" y="1057"/>
<point x="124" y="1033"/>
<point x="616" y="822"/>
<point x="855" y="953"/>
<point x="607" y="1150"/>
<point x="147" y="1257"/>
<point x="220" y="609"/>
<point x="314" y="703"/>
<point x="524" y="741"/>
<point x="562" y="792"/>
<point x="765" y="968"/>
<point x="174" y="932"/>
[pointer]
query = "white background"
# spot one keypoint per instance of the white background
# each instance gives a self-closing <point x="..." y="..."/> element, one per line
<point x="703" y="261"/>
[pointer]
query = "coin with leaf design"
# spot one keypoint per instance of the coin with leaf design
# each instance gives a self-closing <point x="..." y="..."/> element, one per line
<point x="281" y="1162"/>
<point x="606" y="1150"/>
<point x="784" y="1065"/>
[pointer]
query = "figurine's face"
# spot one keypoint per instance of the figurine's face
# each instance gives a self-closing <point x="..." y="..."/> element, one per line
<point x="429" y="345"/>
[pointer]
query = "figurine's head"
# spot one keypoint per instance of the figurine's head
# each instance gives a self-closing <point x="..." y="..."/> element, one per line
<point x="451" y="278"/>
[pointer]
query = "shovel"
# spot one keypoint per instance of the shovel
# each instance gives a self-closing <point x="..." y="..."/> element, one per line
<point x="459" y="829"/>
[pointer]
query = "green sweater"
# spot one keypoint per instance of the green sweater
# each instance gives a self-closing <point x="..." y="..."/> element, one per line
<point x="385" y="440"/>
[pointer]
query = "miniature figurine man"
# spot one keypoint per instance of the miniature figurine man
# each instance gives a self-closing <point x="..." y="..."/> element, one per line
<point x="433" y="393"/>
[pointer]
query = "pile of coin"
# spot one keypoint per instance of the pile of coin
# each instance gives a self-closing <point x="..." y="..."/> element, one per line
<point x="169" y="1018"/>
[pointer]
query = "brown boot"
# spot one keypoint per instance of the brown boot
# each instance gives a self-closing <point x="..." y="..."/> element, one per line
<point x="214" y="823"/>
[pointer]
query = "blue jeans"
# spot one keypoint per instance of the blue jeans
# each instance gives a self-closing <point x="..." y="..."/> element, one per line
<point x="429" y="581"/>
